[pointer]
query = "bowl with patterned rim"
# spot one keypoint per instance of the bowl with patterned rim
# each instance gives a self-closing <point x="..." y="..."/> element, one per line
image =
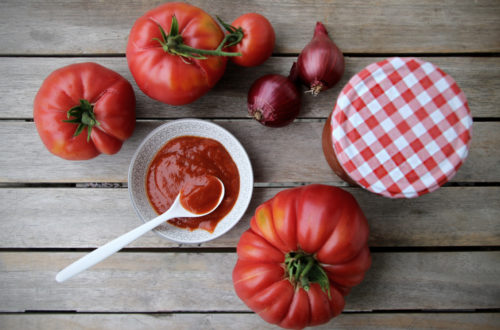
<point x="150" y="146"/>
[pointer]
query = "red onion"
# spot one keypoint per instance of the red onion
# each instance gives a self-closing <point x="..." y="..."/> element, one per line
<point x="321" y="63"/>
<point x="274" y="100"/>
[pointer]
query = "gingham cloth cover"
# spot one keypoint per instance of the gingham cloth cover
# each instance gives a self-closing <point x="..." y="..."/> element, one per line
<point x="401" y="127"/>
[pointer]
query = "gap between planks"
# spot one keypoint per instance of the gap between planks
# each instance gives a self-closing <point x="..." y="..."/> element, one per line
<point x="168" y="282"/>
<point x="421" y="222"/>
<point x="21" y="78"/>
<point x="357" y="26"/>
<point x="354" y="55"/>
<point x="290" y="154"/>
<point x="236" y="312"/>
<point x="247" y="321"/>
<point x="183" y="248"/>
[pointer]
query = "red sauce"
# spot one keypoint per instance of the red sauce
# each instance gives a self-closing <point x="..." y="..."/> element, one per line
<point x="200" y="194"/>
<point x="187" y="159"/>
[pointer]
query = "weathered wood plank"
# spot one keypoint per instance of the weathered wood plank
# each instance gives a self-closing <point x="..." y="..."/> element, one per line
<point x="83" y="27"/>
<point x="150" y="282"/>
<point x="87" y="218"/>
<point x="479" y="321"/>
<point x="289" y="154"/>
<point x="20" y="79"/>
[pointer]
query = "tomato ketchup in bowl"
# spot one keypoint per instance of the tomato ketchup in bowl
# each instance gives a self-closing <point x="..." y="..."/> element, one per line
<point x="182" y="153"/>
<point x="191" y="165"/>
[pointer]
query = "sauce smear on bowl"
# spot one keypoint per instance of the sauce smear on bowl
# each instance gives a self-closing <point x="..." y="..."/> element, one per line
<point x="185" y="161"/>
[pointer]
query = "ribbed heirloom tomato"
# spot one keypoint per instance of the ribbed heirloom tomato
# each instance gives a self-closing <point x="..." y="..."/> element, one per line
<point x="173" y="53"/>
<point x="84" y="109"/>
<point x="305" y="249"/>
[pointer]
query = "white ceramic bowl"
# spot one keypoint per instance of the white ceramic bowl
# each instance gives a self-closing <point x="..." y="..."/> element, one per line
<point x="148" y="149"/>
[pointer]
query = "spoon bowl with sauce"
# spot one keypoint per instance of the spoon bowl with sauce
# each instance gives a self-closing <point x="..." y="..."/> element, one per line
<point x="196" y="199"/>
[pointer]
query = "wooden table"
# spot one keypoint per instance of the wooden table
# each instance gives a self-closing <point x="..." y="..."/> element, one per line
<point x="436" y="259"/>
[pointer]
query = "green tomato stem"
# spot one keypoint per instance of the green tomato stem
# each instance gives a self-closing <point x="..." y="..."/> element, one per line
<point x="307" y="268"/>
<point x="303" y="269"/>
<point x="234" y="36"/>
<point x="174" y="44"/>
<point x="216" y="52"/>
<point x="84" y="116"/>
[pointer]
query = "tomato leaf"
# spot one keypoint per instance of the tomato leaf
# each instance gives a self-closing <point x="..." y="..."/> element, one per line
<point x="318" y="275"/>
<point x="174" y="28"/>
<point x="79" y="129"/>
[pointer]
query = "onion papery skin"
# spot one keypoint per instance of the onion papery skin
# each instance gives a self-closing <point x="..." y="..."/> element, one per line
<point x="321" y="63"/>
<point x="274" y="100"/>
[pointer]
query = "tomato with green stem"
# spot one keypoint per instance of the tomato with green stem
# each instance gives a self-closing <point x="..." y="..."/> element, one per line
<point x="180" y="66"/>
<point x="253" y="36"/>
<point x="305" y="249"/>
<point x="83" y="110"/>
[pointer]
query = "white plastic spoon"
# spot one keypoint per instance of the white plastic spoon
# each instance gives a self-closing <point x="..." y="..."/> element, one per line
<point x="175" y="211"/>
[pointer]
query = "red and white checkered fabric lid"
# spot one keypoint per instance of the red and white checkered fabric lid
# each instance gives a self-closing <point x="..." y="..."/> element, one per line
<point x="401" y="127"/>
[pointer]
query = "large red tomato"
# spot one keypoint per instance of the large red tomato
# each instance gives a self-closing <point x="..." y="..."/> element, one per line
<point x="163" y="57"/>
<point x="258" y="39"/>
<point x="85" y="109"/>
<point x="305" y="249"/>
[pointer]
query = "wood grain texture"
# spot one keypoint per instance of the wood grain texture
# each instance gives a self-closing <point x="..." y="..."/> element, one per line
<point x="88" y="218"/>
<point x="289" y="154"/>
<point x="364" y="321"/>
<point x="192" y="289"/>
<point x="20" y="79"/>
<point x="390" y="26"/>
<point x="152" y="282"/>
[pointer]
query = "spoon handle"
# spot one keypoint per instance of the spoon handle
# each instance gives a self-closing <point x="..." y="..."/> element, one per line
<point x="108" y="249"/>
